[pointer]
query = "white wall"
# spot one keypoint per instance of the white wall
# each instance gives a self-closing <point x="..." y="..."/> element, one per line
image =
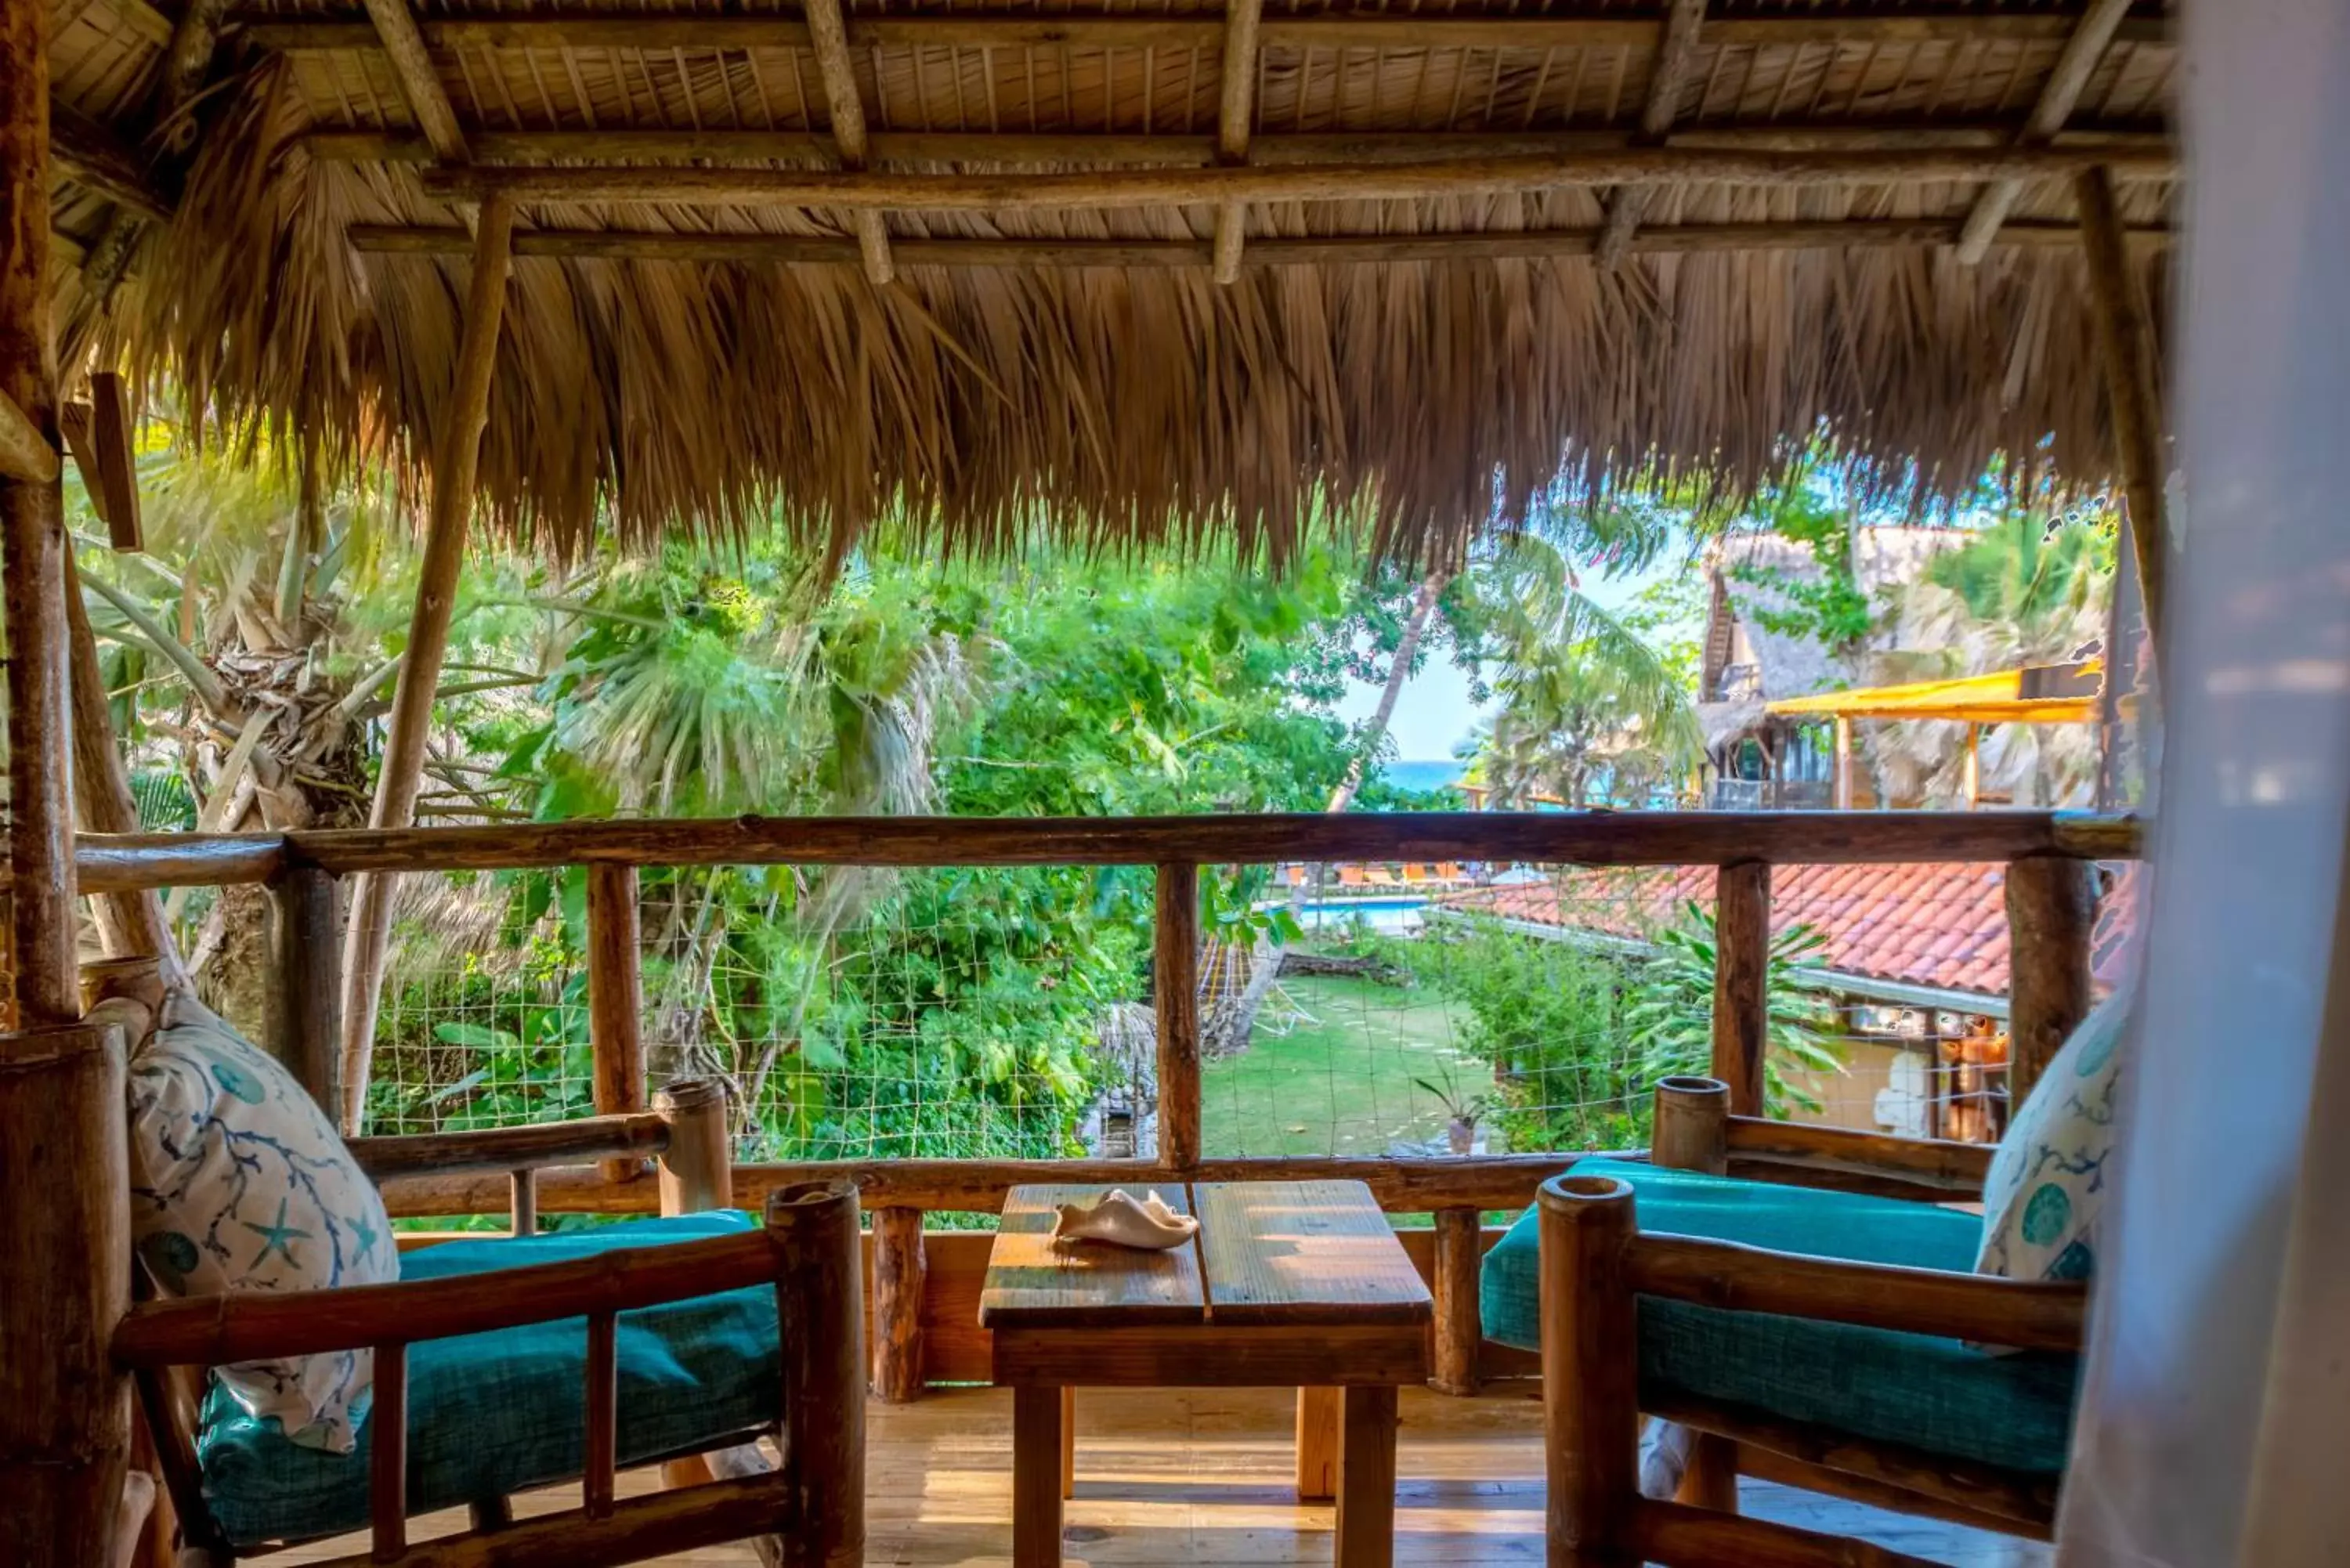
<point x="2177" y="1438"/>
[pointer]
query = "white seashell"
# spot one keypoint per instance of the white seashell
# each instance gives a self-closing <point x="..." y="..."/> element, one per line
<point x="1122" y="1221"/>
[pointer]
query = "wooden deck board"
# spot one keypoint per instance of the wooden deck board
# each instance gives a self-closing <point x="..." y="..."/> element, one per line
<point x="1183" y="1476"/>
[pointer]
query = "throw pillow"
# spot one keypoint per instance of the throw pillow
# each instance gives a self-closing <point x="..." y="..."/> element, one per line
<point x="241" y="1183"/>
<point x="2047" y="1183"/>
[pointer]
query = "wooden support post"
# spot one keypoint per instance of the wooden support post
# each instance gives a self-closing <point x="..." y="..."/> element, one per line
<point x="1692" y="1129"/>
<point x="1675" y="58"/>
<point x="616" y="1000"/>
<point x="697" y="1169"/>
<point x="1591" y="1417"/>
<point x="1175" y="986"/>
<point x="64" y="1281"/>
<point x="1367" y="1478"/>
<point x="1843" y="788"/>
<point x="388" y="1454"/>
<point x="26" y="453"/>
<point x="1036" y="1431"/>
<point x="2133" y="389"/>
<point x="2083" y="51"/>
<point x="900" y="1270"/>
<point x="837" y="71"/>
<point x="521" y="1206"/>
<point x="1709" y="1475"/>
<point x="1321" y="1414"/>
<point x="454" y="469"/>
<point x="822" y="1324"/>
<point x="1235" y="122"/>
<point x="1742" y="966"/>
<point x="32" y="554"/>
<point x="305" y="1005"/>
<point x="2052" y="908"/>
<point x="1459" y="1327"/>
<point x="603" y="1391"/>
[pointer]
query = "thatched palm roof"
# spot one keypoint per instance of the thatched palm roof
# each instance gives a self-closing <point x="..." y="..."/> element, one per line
<point x="1405" y="197"/>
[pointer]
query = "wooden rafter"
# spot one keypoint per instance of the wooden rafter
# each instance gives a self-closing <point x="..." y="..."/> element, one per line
<point x="1365" y="249"/>
<point x="2083" y="50"/>
<point x="404" y="47"/>
<point x="93" y="156"/>
<point x="881" y="190"/>
<point x="835" y="68"/>
<point x="1235" y="122"/>
<point x="24" y="452"/>
<point x="1676" y="60"/>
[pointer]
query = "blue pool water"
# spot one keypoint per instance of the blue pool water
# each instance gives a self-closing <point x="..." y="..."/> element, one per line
<point x="1399" y="915"/>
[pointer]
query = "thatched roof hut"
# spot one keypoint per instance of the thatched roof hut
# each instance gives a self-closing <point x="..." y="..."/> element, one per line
<point x="1142" y="270"/>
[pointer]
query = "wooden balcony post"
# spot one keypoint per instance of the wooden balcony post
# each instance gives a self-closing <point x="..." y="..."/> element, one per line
<point x="1175" y="983"/>
<point x="615" y="1000"/>
<point x="1742" y="967"/>
<point x="697" y="1169"/>
<point x="387" y="1455"/>
<point x="819" y="1297"/>
<point x="2132" y="391"/>
<point x="2052" y="908"/>
<point x="1459" y="1327"/>
<point x="899" y="1272"/>
<point x="1691" y="1129"/>
<point x="306" y="1006"/>
<point x="1591" y="1415"/>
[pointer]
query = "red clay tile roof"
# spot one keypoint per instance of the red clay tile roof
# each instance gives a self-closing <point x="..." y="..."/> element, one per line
<point x="1942" y="925"/>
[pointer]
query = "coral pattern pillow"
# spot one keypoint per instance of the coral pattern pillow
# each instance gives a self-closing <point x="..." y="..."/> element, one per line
<point x="2047" y="1182"/>
<point x="242" y="1184"/>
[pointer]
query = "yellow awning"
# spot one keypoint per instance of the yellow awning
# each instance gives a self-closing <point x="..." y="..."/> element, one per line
<point x="1995" y="699"/>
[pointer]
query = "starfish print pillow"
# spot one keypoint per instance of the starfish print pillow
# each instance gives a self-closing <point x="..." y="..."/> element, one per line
<point x="240" y="1183"/>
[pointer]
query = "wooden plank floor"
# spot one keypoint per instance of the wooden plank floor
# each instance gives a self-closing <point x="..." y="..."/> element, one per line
<point x="1180" y="1477"/>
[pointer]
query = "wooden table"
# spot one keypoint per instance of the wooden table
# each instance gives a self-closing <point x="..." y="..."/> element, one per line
<point x="1288" y="1283"/>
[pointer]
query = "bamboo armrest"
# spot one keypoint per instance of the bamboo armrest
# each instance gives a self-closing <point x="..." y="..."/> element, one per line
<point x="250" y="1325"/>
<point x="1983" y="1308"/>
<point x="1932" y="1169"/>
<point x="635" y="1136"/>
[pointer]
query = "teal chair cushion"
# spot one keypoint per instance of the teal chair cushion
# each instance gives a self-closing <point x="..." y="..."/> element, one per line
<point x="1936" y="1394"/>
<point x="495" y="1414"/>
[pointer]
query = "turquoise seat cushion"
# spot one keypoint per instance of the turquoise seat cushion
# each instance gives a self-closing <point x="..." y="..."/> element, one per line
<point x="1936" y="1394"/>
<point x="494" y="1413"/>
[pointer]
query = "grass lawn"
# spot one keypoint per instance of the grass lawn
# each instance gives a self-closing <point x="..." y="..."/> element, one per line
<point x="1338" y="1081"/>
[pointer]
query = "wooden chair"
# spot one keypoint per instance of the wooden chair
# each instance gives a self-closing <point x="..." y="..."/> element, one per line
<point x="807" y="1514"/>
<point x="1634" y="1320"/>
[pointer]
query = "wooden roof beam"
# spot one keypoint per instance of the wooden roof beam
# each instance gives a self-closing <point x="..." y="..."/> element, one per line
<point x="2058" y="95"/>
<point x="26" y="454"/>
<point x="1125" y="188"/>
<point x="1530" y="244"/>
<point x="1235" y="121"/>
<point x="1676" y="60"/>
<point x="411" y="66"/>
<point x="827" y="30"/>
<point x="94" y="157"/>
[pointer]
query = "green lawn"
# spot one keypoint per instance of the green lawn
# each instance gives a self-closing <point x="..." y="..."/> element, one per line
<point x="1338" y="1081"/>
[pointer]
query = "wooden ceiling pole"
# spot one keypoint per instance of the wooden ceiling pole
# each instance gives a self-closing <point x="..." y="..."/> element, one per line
<point x="420" y="84"/>
<point x="828" y="35"/>
<point x="454" y="465"/>
<point x="1235" y="121"/>
<point x="2063" y="90"/>
<point x="1676" y="59"/>
<point x="2133" y="390"/>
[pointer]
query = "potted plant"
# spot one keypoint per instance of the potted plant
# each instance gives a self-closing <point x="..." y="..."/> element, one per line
<point x="1463" y="1113"/>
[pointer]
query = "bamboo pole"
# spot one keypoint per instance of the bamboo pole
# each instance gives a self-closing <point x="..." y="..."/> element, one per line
<point x="523" y="1207"/>
<point x="814" y="1227"/>
<point x="1591" y="1417"/>
<point x="2133" y="389"/>
<point x="420" y="82"/>
<point x="2052" y="911"/>
<point x="305" y="1005"/>
<point x="1235" y="122"/>
<point x="837" y="71"/>
<point x="2082" y="54"/>
<point x="1667" y="75"/>
<point x="1691" y="1130"/>
<point x="32" y="554"/>
<point x="1175" y="990"/>
<point x="898" y="1272"/>
<point x="1458" y="1326"/>
<point x="428" y="634"/>
<point x="615" y="1003"/>
<point x="1742" y="969"/>
<point x="388" y="1454"/>
<point x="697" y="1168"/>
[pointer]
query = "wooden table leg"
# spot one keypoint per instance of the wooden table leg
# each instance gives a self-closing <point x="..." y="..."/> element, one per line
<point x="1318" y="1412"/>
<point x="1366" y="1480"/>
<point x="1035" y="1477"/>
<point x="1068" y="1443"/>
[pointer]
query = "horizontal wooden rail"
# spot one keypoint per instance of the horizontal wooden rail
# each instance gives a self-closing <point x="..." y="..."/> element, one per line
<point x="638" y="1135"/>
<point x="2026" y="1315"/>
<point x="247" y="1325"/>
<point x="1205" y="31"/>
<point x="126" y="862"/>
<point x="1953" y="1170"/>
<point x="1680" y="1536"/>
<point x="682" y="1520"/>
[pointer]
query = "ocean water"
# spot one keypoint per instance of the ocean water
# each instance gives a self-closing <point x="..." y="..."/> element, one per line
<point x="1428" y="773"/>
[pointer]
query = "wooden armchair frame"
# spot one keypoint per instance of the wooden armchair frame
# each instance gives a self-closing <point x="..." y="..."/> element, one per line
<point x="809" y="1251"/>
<point x="1596" y="1262"/>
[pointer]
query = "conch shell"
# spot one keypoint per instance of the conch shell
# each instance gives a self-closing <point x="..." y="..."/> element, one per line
<point x="1123" y="1221"/>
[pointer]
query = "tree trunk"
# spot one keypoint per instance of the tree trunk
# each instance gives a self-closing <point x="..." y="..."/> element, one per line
<point x="1423" y="610"/>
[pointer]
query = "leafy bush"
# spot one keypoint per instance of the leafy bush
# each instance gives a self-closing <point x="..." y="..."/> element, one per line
<point x="1670" y="1019"/>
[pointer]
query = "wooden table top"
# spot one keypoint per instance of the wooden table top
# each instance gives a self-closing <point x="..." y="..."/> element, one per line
<point x="1268" y="1253"/>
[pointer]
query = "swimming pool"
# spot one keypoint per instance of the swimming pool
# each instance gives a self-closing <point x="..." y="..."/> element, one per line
<point x="1399" y="916"/>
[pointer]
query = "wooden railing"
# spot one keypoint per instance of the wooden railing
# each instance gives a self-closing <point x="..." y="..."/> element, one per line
<point x="2049" y="902"/>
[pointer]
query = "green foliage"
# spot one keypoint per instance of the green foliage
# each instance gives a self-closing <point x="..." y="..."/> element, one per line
<point x="1669" y="1019"/>
<point x="1830" y="608"/>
